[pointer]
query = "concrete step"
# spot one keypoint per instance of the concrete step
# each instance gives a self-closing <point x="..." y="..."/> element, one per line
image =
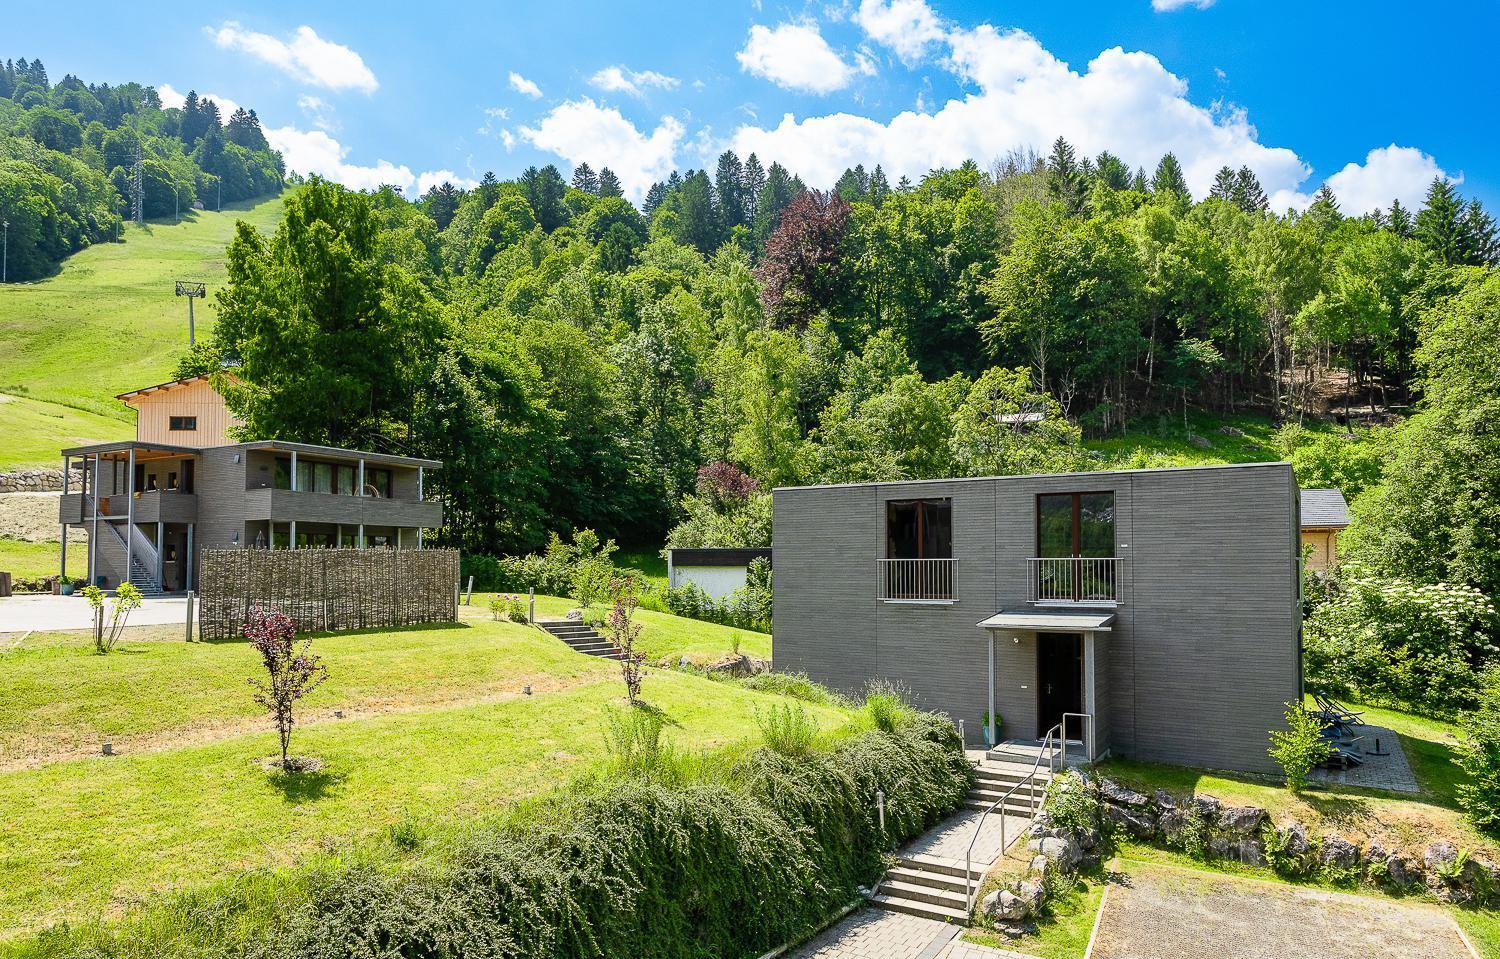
<point x="932" y="864"/>
<point x="923" y="877"/>
<point x="920" y="892"/>
<point x="915" y="907"/>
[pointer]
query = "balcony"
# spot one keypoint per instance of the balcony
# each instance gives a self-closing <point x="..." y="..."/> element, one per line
<point x="166" y="506"/>
<point x="918" y="580"/>
<point x="1075" y="580"/>
<point x="282" y="505"/>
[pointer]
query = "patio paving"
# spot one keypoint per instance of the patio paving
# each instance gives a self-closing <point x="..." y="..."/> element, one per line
<point x="19" y="614"/>
<point x="1159" y="912"/>
<point x="873" y="934"/>
<point x="1391" y="772"/>
<point x="950" y="839"/>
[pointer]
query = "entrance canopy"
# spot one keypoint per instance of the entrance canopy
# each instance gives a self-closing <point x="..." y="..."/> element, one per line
<point x="1051" y="620"/>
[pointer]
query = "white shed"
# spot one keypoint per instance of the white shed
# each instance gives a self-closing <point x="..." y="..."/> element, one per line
<point x="718" y="572"/>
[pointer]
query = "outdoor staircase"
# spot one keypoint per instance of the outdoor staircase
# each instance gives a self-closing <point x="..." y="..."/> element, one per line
<point x="933" y="887"/>
<point x="141" y="576"/>
<point x="582" y="638"/>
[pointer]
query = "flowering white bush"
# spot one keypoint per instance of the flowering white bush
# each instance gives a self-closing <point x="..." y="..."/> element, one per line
<point x="1405" y="643"/>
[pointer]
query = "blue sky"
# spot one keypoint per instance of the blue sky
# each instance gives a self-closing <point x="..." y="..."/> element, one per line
<point x="1376" y="98"/>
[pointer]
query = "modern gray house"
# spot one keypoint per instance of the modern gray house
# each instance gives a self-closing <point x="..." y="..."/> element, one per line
<point x="1152" y="614"/>
<point x="151" y="504"/>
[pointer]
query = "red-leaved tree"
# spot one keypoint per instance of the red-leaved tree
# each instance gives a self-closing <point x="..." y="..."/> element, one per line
<point x="725" y="484"/>
<point x="292" y="670"/>
<point x="800" y="273"/>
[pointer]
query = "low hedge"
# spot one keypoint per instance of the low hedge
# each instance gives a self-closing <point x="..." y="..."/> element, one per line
<point x="711" y="869"/>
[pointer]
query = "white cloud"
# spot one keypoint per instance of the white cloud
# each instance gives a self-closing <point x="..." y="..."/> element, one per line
<point x="508" y="139"/>
<point x="171" y="98"/>
<point x="493" y="116"/>
<point x="1389" y="172"/>
<point x="795" y="56"/>
<point x="314" y="151"/>
<point x="305" y="56"/>
<point x="1127" y="103"/>
<point x="431" y="178"/>
<point x="909" y="27"/>
<point x="1167" y="6"/>
<point x="520" y="84"/>
<point x="620" y="79"/>
<point x="582" y="131"/>
<point x="320" y="111"/>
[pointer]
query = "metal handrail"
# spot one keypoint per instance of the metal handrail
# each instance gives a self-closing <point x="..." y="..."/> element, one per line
<point x="1030" y="781"/>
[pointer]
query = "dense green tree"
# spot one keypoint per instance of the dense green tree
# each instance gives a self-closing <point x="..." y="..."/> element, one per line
<point x="1065" y="181"/>
<point x="802" y="272"/>
<point x="585" y="179"/>
<point x="543" y="191"/>
<point x="1005" y="426"/>
<point x="1248" y="194"/>
<point x="609" y="184"/>
<point x="729" y="190"/>
<point x="1169" y="178"/>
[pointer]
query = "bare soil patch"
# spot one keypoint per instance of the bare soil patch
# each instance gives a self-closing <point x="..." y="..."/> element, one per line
<point x="1160" y="912"/>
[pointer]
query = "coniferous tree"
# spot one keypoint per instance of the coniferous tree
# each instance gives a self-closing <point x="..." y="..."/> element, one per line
<point x="1324" y="212"/>
<point x="209" y="110"/>
<point x="879" y="187"/>
<point x="848" y="187"/>
<point x="654" y="196"/>
<point x="753" y="182"/>
<point x="1440" y="223"/>
<point x="904" y="185"/>
<point x="1139" y="183"/>
<point x="609" y="184"/>
<point x="584" y="179"/>
<point x="1226" y="185"/>
<point x="774" y="198"/>
<point x="1399" y="221"/>
<point x="729" y="180"/>
<point x="192" y="124"/>
<point x="1064" y="178"/>
<point x="697" y="220"/>
<point x="1111" y="171"/>
<point x="441" y="202"/>
<point x="489" y="189"/>
<point x="1169" y="178"/>
<point x="243" y="129"/>
<point x="1480" y="245"/>
<point x="544" y="191"/>
<point x="1248" y="194"/>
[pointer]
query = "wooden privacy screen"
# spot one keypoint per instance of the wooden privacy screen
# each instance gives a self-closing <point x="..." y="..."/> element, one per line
<point x="323" y="589"/>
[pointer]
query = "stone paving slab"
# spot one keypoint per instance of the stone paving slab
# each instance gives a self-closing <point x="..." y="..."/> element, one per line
<point x="950" y="839"/>
<point x="1160" y="912"/>
<point x="876" y="934"/>
<point x="1391" y="772"/>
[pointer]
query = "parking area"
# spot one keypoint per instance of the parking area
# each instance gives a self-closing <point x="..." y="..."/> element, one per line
<point x="1162" y="912"/>
<point x="21" y="614"/>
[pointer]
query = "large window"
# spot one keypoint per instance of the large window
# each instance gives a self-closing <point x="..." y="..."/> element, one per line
<point x="1075" y="524"/>
<point x="919" y="529"/>
<point x="342" y="478"/>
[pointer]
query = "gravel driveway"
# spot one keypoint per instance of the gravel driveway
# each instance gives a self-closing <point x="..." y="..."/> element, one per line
<point x="1160" y="912"/>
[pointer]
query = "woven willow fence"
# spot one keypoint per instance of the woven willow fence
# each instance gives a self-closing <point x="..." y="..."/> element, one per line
<point x="322" y="589"/>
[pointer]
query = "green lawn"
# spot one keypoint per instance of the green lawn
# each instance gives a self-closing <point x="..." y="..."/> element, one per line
<point x="668" y="638"/>
<point x="435" y="731"/>
<point x="1065" y="932"/>
<point x="106" y="323"/>
<point x="31" y="560"/>
<point x="1163" y="440"/>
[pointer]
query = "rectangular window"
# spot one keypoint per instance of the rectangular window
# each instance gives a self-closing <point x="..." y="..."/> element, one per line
<point x="345" y="480"/>
<point x="187" y="476"/>
<point x="304" y="476"/>
<point x="919" y="529"/>
<point x="181" y="423"/>
<point x="1075" y="524"/>
<point x="322" y="478"/>
<point x="380" y="483"/>
<point x="283" y="473"/>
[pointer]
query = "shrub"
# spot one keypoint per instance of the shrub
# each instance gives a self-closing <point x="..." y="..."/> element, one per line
<point x="795" y="685"/>
<point x="1479" y="756"/>
<point x="886" y="707"/>
<point x="1070" y="804"/>
<point x="127" y="597"/>
<point x="292" y="671"/>
<point x="515" y="610"/>
<point x="1300" y="747"/>
<point x="788" y="729"/>
<point x="1395" y="642"/>
<point x="497" y="606"/>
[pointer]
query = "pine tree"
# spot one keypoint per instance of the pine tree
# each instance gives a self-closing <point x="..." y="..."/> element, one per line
<point x="1479" y="241"/>
<point x="1398" y="221"/>
<point x="654" y="196"/>
<point x="609" y="184"/>
<point x="903" y="185"/>
<point x="192" y="125"/>
<point x="698" y="223"/>
<point x="774" y="198"/>
<point x="1439" y="223"/>
<point x="1111" y="171"/>
<point x="1140" y="184"/>
<point x="584" y="179"/>
<point x="847" y="187"/>
<point x="1064" y="179"/>
<point x="441" y="203"/>
<point x="1226" y="185"/>
<point x="489" y="189"/>
<point x="753" y="182"/>
<point x="544" y="190"/>
<point x="1169" y="178"/>
<point x="729" y="180"/>
<point x="879" y="187"/>
<point x="1248" y="193"/>
<point x="1323" y="212"/>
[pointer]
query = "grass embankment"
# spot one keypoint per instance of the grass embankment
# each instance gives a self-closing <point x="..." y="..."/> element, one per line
<point x="32" y="560"/>
<point x="106" y="323"/>
<point x="435" y="731"/>
<point x="667" y="638"/>
<point x="1163" y="440"/>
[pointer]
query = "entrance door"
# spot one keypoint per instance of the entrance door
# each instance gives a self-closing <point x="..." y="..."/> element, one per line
<point x="1059" y="680"/>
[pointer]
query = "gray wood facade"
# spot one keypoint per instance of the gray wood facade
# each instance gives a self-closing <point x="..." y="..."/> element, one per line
<point x="1204" y="649"/>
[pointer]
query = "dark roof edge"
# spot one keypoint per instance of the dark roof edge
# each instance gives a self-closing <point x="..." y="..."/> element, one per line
<point x="719" y="556"/>
<point x="1019" y="476"/>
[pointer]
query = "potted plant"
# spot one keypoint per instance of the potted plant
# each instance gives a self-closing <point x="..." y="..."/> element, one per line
<point x="65" y="585"/>
<point x="984" y="725"/>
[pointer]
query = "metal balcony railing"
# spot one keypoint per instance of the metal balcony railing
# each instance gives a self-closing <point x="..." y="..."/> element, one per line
<point x="918" y="580"/>
<point x="1082" y="580"/>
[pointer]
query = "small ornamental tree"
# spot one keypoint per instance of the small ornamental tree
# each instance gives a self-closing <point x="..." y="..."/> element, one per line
<point x="1299" y="747"/>
<point x="292" y="670"/>
<point x="127" y="597"/>
<point x="623" y="632"/>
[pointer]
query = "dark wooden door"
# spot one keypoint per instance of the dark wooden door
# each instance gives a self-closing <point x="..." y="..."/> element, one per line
<point x="1059" y="679"/>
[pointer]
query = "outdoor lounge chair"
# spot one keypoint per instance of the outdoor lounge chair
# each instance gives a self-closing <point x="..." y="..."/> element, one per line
<point x="1332" y="712"/>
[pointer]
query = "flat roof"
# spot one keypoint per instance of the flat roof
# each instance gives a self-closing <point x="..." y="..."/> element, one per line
<point x="124" y="446"/>
<point x="1324" y="509"/>
<point x="719" y="555"/>
<point x="1020" y="476"/>
<point x="1051" y="620"/>
<point x="389" y="459"/>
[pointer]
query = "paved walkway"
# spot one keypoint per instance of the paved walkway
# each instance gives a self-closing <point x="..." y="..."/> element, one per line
<point x="872" y="934"/>
<point x="949" y="839"/>
<point x="1391" y="772"/>
<point x="19" y="614"/>
<point x="1160" y="912"/>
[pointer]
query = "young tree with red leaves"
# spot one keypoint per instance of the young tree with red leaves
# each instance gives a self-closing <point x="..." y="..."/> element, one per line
<point x="801" y="273"/>
<point x="292" y="668"/>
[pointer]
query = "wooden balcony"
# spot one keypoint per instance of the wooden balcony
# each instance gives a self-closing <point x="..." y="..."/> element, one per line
<point x="918" y="580"/>
<point x="1075" y="580"/>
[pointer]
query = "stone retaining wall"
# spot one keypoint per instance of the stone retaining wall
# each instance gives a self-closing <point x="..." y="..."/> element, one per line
<point x="41" y="480"/>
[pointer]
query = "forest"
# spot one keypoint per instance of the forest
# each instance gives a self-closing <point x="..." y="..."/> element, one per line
<point x="68" y="154"/>
<point x="648" y="373"/>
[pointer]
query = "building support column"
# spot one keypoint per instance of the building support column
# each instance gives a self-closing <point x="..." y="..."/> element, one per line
<point x="129" y="516"/>
<point x="419" y="537"/>
<point x="360" y="543"/>
<point x="63" y="563"/>
<point x="419" y="484"/>
<point x="294" y="471"/>
<point x="291" y="535"/>
<point x="161" y="554"/>
<point x="338" y="541"/>
<point x="992" y="690"/>
<point x="94" y="535"/>
<point x="190" y="561"/>
<point x="1089" y="700"/>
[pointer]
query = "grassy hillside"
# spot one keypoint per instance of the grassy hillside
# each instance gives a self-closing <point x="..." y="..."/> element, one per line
<point x="1206" y="439"/>
<point x="108" y="322"/>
